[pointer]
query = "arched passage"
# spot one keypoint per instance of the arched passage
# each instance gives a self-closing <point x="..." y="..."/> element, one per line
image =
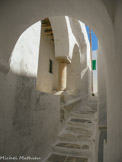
<point x="93" y="14"/>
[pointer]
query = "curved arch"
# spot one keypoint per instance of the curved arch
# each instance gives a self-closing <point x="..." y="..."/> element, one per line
<point x="80" y="11"/>
<point x="60" y="30"/>
<point x="24" y="58"/>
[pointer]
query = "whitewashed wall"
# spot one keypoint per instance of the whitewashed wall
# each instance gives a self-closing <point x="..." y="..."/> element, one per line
<point x="46" y="81"/>
<point x="29" y="119"/>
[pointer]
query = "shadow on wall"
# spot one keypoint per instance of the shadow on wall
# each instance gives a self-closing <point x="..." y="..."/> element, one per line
<point x="78" y="75"/>
<point x="78" y="33"/>
<point x="74" y="70"/>
<point x="47" y="81"/>
<point x="29" y="118"/>
<point x="83" y="76"/>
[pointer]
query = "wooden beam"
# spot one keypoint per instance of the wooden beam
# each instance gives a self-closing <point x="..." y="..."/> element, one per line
<point x="46" y="27"/>
<point x="49" y="32"/>
<point x="50" y="36"/>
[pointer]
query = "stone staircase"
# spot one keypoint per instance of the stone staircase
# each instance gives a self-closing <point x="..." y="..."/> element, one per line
<point x="76" y="142"/>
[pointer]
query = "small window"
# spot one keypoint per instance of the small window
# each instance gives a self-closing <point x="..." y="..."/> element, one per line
<point x="51" y="66"/>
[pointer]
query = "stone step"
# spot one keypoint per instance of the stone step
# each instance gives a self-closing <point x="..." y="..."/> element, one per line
<point x="54" y="157"/>
<point x="74" y="137"/>
<point x="80" y="122"/>
<point x="82" y="143"/>
<point x="68" y="148"/>
<point x="83" y="131"/>
<point x="84" y="109"/>
<point x="82" y="115"/>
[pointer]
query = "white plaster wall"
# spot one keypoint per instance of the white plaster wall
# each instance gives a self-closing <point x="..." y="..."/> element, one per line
<point x="60" y="30"/>
<point x="86" y="50"/>
<point x="118" y="93"/>
<point x="74" y="71"/>
<point x="71" y="37"/>
<point x="114" y="101"/>
<point x="24" y="59"/>
<point x="79" y="70"/>
<point x="102" y="106"/>
<point x="102" y="103"/>
<point x="29" y="119"/>
<point x="64" y="38"/>
<point x="47" y="82"/>
<point x="95" y="82"/>
<point x="86" y="44"/>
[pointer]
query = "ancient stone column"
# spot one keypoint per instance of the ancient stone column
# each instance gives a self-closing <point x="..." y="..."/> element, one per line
<point x="62" y="76"/>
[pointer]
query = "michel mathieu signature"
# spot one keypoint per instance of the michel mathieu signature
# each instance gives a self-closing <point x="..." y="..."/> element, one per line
<point x="4" y="157"/>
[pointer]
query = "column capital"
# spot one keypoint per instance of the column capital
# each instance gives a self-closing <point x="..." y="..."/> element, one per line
<point x="63" y="59"/>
